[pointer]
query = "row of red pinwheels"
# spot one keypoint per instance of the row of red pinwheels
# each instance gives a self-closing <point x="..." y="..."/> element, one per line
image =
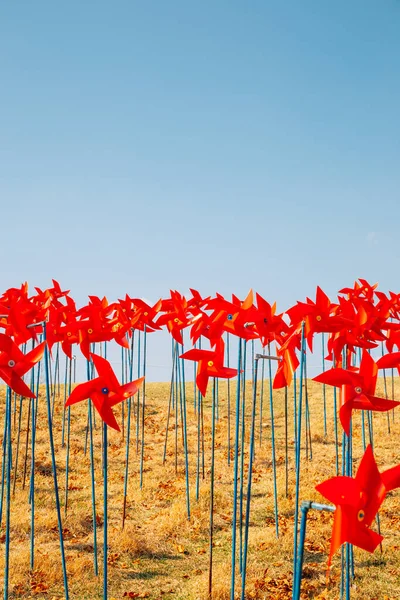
<point x="361" y="319"/>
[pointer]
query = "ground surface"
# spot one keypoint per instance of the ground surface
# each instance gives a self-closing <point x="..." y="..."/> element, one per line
<point x="160" y="553"/>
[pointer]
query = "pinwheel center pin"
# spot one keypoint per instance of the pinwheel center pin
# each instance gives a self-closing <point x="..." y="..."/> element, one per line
<point x="360" y="515"/>
<point x="69" y="333"/>
<point x="229" y="317"/>
<point x="11" y="363"/>
<point x="176" y="320"/>
<point x="318" y="318"/>
<point x="90" y="331"/>
<point x="210" y="363"/>
<point x="358" y="390"/>
<point x="146" y="314"/>
<point x="105" y="390"/>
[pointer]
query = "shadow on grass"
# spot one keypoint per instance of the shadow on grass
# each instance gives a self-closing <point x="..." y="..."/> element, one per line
<point x="145" y="575"/>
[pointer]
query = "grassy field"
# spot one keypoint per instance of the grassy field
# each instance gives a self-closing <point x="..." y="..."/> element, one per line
<point x="160" y="553"/>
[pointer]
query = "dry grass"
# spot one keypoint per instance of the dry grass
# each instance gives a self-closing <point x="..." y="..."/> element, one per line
<point x="160" y="553"/>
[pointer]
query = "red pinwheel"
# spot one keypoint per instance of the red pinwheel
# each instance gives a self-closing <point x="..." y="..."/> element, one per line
<point x="357" y="389"/>
<point x="54" y="294"/>
<point x="288" y="360"/>
<point x="143" y="314"/>
<point x="235" y="317"/>
<point x="393" y="337"/>
<point x="204" y="325"/>
<point x="269" y="325"/>
<point x="196" y="302"/>
<point x="240" y="319"/>
<point x="69" y="335"/>
<point x="58" y="316"/>
<point x="14" y="364"/>
<point x="105" y="391"/>
<point x="211" y="326"/>
<point x="175" y="317"/>
<point x="357" y="502"/>
<point x="19" y="312"/>
<point x="319" y="316"/>
<point x="389" y="361"/>
<point x="96" y="326"/>
<point x="211" y="364"/>
<point x="360" y="290"/>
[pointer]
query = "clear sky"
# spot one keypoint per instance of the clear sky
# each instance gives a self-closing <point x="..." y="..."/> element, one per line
<point x="220" y="145"/>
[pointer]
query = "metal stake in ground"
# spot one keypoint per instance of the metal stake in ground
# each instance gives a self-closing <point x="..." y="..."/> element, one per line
<point x="212" y="489"/>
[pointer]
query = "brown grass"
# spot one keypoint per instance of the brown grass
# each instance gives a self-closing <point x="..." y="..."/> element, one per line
<point x="160" y="553"/>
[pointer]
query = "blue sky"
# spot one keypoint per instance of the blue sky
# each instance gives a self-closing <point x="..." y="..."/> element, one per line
<point x="220" y="145"/>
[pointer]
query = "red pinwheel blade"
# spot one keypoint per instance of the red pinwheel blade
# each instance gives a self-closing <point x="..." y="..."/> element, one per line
<point x="339" y="377"/>
<point x="10" y="348"/>
<point x="226" y="373"/>
<point x="84" y="345"/>
<point x="279" y="379"/>
<point x="348" y="528"/>
<point x="102" y="404"/>
<point x="340" y="490"/>
<point x="391" y="478"/>
<point x="370" y="482"/>
<point x="19" y="386"/>
<point x="202" y="381"/>
<point x="67" y="348"/>
<point x="122" y="341"/>
<point x="248" y="301"/>
<point x="345" y="413"/>
<point x="381" y="404"/>
<point x="197" y="355"/>
<point x="361" y="536"/>
<point x="127" y="391"/>
<point x="30" y="359"/>
<point x="83" y="391"/>
<point x="321" y="299"/>
<point x="338" y="533"/>
<point x="105" y="370"/>
<point x="389" y="361"/>
<point x="369" y="371"/>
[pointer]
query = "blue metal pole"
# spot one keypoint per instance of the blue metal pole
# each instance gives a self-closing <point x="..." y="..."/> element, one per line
<point x="243" y="415"/>
<point x="335" y="421"/>
<point x="298" y="447"/>
<point x="324" y="386"/>
<point x="105" y="503"/>
<point x="128" y="434"/>
<point x="54" y="466"/>
<point x="297" y="576"/>
<point x="8" y="494"/>
<point x="262" y="399"/>
<point x="228" y="400"/>
<point x="271" y="408"/>
<point x="171" y="393"/>
<point x="143" y="406"/>
<point x="32" y="477"/>
<point x="249" y="481"/>
<point x="68" y="440"/>
<point x="3" y="464"/>
<point x="185" y="442"/>
<point x="210" y="571"/>
<point x="235" y="473"/>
